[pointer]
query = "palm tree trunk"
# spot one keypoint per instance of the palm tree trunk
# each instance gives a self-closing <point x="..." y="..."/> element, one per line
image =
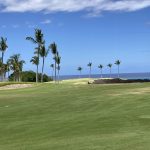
<point x="2" y="65"/>
<point x="42" y="69"/>
<point x="90" y="73"/>
<point x="118" y="71"/>
<point x="8" y="75"/>
<point x="19" y="77"/>
<point x="52" y="74"/>
<point x="4" y="75"/>
<point x="110" y="72"/>
<point x="80" y="74"/>
<point x="58" y="74"/>
<point x="38" y="55"/>
<point x="55" y="71"/>
<point x="37" y="74"/>
<point x="2" y="57"/>
<point x="14" y="76"/>
<point x="101" y="74"/>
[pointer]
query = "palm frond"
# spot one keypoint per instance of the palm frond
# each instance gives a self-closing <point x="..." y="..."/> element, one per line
<point x="31" y="39"/>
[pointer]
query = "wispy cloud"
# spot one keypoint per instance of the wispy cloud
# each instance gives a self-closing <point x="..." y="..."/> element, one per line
<point x="30" y="25"/>
<point x="47" y="21"/>
<point x="148" y="23"/>
<point x="15" y="26"/>
<point x="3" y="26"/>
<point x="60" y="24"/>
<point x="94" y="7"/>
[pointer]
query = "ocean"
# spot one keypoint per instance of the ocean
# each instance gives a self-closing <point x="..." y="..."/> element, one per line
<point x="122" y="75"/>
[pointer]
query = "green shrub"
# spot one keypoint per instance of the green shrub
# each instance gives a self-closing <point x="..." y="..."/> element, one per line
<point x="30" y="76"/>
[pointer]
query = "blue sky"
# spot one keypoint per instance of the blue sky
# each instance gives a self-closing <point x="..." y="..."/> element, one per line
<point x="93" y="30"/>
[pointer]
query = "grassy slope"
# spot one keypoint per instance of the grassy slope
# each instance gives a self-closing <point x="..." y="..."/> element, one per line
<point x="76" y="117"/>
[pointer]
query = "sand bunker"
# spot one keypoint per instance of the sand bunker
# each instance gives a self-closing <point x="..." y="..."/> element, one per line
<point x="15" y="86"/>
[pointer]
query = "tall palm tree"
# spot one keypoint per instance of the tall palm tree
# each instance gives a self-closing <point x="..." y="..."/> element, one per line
<point x="52" y="66"/>
<point x="58" y="60"/>
<point x="3" y="47"/>
<point x="54" y="51"/>
<point x="43" y="54"/>
<point x="110" y="66"/>
<point x="38" y="40"/>
<point x="80" y="70"/>
<point x="118" y="62"/>
<point x="16" y="65"/>
<point x="35" y="61"/>
<point x="90" y="66"/>
<point x="101" y="68"/>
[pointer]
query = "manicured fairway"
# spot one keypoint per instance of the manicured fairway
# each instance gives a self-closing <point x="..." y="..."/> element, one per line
<point x="76" y="117"/>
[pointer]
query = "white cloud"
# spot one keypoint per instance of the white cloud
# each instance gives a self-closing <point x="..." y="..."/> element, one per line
<point x="94" y="7"/>
<point x="47" y="21"/>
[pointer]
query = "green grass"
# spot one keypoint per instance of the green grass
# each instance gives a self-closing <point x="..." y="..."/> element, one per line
<point x="76" y="117"/>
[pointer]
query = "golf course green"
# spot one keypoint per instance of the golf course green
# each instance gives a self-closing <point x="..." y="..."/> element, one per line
<point x="76" y="116"/>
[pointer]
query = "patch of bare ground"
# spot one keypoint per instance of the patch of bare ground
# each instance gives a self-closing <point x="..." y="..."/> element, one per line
<point x="15" y="86"/>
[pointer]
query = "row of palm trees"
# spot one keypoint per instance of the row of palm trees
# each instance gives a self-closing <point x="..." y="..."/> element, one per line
<point x="42" y="51"/>
<point x="15" y="64"/>
<point x="117" y="62"/>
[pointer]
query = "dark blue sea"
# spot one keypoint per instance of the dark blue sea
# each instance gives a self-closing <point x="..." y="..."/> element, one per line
<point x="122" y="75"/>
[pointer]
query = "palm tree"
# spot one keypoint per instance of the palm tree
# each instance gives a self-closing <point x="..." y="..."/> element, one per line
<point x="118" y="62"/>
<point x="101" y="68"/>
<point x="38" y="39"/>
<point x="110" y="66"/>
<point x="58" y="60"/>
<point x="43" y="54"/>
<point x="3" y="47"/>
<point x="16" y="65"/>
<point x="54" y="51"/>
<point x="80" y="69"/>
<point x="90" y="66"/>
<point x="52" y="66"/>
<point x="35" y="61"/>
